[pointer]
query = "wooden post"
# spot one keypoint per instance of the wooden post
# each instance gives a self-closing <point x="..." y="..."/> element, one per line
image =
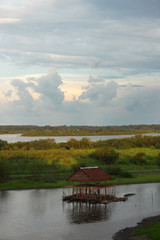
<point x="76" y="193"/>
<point x="89" y="192"/>
<point x="73" y="191"/>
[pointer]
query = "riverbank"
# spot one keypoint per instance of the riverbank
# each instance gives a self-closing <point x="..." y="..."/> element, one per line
<point x="130" y="233"/>
<point x="29" y="184"/>
<point x="23" y="184"/>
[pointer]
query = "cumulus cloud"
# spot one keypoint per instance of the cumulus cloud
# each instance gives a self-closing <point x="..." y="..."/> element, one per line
<point x="40" y="101"/>
<point x="25" y="103"/>
<point x="48" y="88"/>
<point x="8" y="93"/>
<point x="140" y="100"/>
<point x="100" y="94"/>
<point x="35" y="96"/>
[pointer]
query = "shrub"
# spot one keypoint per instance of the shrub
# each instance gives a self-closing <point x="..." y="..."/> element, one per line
<point x="124" y="174"/>
<point x="106" y="155"/>
<point x="4" y="169"/>
<point x="116" y="171"/>
<point x="37" y="167"/>
<point x="158" y="159"/>
<point x="139" y="158"/>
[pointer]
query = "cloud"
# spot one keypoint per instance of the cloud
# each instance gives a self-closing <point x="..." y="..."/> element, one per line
<point x="101" y="41"/>
<point x="100" y="94"/>
<point x="48" y="88"/>
<point x="96" y="79"/>
<point x="8" y="93"/>
<point x="25" y="103"/>
<point x="9" y="20"/>
<point x="140" y="100"/>
<point x="125" y="8"/>
<point x="34" y="97"/>
<point x="41" y="101"/>
<point x="82" y="35"/>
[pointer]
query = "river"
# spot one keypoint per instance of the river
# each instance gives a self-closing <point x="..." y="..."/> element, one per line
<point x="12" y="138"/>
<point x="41" y="214"/>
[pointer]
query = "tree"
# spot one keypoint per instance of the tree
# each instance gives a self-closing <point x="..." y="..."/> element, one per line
<point x="85" y="143"/>
<point x="73" y="143"/>
<point x="3" y="145"/>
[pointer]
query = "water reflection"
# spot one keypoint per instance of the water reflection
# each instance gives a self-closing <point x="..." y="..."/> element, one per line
<point x="41" y="214"/>
<point x="12" y="138"/>
<point x="3" y="195"/>
<point x="78" y="212"/>
<point x="37" y="202"/>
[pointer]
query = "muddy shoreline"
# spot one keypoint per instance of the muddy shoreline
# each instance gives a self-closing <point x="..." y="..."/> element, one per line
<point x="128" y="233"/>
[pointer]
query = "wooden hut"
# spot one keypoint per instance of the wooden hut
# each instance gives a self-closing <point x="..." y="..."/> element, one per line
<point x="89" y="187"/>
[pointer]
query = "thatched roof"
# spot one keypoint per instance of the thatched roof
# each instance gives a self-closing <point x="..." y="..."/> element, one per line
<point x="89" y="174"/>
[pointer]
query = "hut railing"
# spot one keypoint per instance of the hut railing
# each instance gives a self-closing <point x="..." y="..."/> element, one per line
<point x="89" y="192"/>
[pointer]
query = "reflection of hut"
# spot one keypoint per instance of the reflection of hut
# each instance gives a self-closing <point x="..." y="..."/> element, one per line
<point x="90" y="187"/>
<point x="79" y="212"/>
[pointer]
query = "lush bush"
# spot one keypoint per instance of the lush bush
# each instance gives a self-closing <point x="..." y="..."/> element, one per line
<point x="37" y="167"/>
<point x="139" y="158"/>
<point x="3" y="145"/>
<point x="125" y="174"/>
<point x="4" y="169"/>
<point x="115" y="171"/>
<point x="118" y="172"/>
<point x="106" y="155"/>
<point x="158" y="159"/>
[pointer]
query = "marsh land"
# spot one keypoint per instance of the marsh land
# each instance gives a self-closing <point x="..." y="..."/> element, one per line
<point x="46" y="164"/>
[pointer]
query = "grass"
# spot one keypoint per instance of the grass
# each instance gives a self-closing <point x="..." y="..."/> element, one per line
<point x="27" y="184"/>
<point x="136" y="179"/>
<point x="66" y="162"/>
<point x="152" y="231"/>
<point x="133" y="151"/>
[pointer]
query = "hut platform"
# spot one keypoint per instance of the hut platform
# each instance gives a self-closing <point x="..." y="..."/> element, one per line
<point x="102" y="199"/>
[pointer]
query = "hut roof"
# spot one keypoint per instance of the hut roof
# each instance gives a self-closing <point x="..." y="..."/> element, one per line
<point x="89" y="174"/>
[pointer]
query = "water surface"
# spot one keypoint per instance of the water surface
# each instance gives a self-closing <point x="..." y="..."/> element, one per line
<point x="41" y="214"/>
<point x="12" y="138"/>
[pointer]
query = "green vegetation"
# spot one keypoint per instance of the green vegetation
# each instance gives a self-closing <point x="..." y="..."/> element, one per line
<point x="4" y="169"/>
<point x="151" y="231"/>
<point x="27" y="184"/>
<point x="44" y="163"/>
<point x="31" y="130"/>
<point x="106" y="155"/>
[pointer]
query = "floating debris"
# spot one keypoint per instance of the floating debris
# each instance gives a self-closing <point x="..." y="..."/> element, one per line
<point x="129" y="194"/>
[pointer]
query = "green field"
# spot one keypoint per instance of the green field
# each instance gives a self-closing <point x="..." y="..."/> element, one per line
<point x="151" y="231"/>
<point x="45" y="164"/>
<point x="59" y="164"/>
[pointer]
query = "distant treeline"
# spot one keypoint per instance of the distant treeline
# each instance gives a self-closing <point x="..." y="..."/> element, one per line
<point x="138" y="141"/>
<point x="31" y="130"/>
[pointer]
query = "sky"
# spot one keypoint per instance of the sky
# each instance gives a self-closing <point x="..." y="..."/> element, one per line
<point x="79" y="62"/>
